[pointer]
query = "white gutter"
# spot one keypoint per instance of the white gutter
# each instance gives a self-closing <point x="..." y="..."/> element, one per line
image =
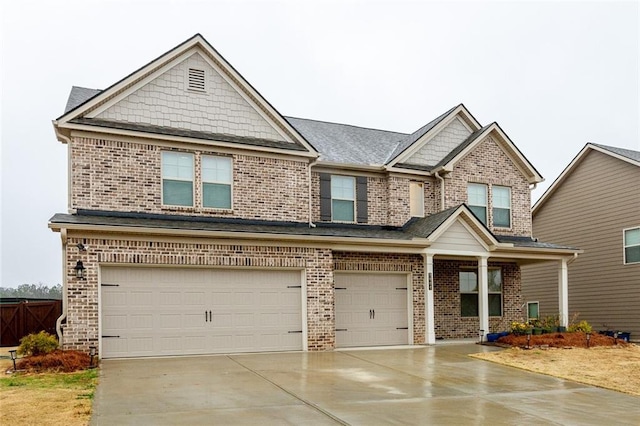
<point x="63" y="315"/>
<point x="437" y="175"/>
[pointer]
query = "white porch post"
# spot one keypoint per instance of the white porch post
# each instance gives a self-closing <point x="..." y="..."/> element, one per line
<point x="563" y="293"/>
<point x="429" y="318"/>
<point x="483" y="294"/>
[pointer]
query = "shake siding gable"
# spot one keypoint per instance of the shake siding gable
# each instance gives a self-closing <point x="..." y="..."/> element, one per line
<point x="596" y="201"/>
<point x="167" y="101"/>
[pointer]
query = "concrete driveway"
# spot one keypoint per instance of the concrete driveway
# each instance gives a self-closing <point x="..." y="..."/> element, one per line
<point x="437" y="385"/>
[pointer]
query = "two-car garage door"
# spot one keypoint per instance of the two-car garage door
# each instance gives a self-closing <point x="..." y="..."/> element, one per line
<point x="187" y="311"/>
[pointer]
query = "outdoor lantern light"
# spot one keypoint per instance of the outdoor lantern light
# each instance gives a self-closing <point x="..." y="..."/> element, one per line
<point x="430" y="281"/>
<point x="481" y="335"/>
<point x="13" y="358"/>
<point x="92" y="354"/>
<point x="588" y="339"/>
<point x="79" y="269"/>
<point x="528" y="340"/>
<point x="615" y="338"/>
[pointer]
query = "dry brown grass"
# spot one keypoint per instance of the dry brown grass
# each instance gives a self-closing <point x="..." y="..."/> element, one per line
<point x="46" y="398"/>
<point x="611" y="367"/>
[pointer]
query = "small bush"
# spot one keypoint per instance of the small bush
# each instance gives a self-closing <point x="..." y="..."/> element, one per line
<point x="520" y="328"/>
<point x="38" y="344"/>
<point x="582" y="326"/>
<point x="58" y="361"/>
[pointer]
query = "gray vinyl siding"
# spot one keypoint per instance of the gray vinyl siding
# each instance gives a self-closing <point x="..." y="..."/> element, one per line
<point x="597" y="200"/>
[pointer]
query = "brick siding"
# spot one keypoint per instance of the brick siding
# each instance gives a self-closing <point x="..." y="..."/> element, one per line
<point x="126" y="176"/>
<point x="449" y="324"/>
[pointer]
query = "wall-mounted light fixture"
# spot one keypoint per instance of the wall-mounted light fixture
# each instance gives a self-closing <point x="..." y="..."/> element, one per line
<point x="80" y="270"/>
<point x="81" y="247"/>
<point x="430" y="279"/>
<point x="14" y="356"/>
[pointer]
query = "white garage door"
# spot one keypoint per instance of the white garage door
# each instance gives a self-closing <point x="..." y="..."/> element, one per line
<point x="184" y="311"/>
<point x="371" y="309"/>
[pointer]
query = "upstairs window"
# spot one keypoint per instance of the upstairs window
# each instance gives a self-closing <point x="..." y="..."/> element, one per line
<point x="416" y="199"/>
<point x="501" y="206"/>
<point x="343" y="198"/>
<point x="216" y="182"/>
<point x="177" y="178"/>
<point x="477" y="200"/>
<point x="632" y="246"/>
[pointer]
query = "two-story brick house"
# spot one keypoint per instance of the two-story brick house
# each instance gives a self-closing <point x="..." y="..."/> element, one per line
<point x="201" y="220"/>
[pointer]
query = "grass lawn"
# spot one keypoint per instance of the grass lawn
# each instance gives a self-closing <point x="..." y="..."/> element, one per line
<point x="615" y="368"/>
<point x="46" y="398"/>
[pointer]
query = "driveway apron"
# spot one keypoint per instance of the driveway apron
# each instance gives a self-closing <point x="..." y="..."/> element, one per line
<point x="435" y="385"/>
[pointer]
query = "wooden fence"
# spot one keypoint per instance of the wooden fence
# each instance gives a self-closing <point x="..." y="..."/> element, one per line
<point x="17" y="319"/>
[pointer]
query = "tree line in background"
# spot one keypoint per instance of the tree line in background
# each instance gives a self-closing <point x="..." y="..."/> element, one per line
<point x="33" y="291"/>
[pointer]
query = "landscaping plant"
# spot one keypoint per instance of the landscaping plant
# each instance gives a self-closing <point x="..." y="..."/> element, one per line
<point x="38" y="344"/>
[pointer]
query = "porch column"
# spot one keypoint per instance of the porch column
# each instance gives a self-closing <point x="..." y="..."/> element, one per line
<point x="483" y="294"/>
<point x="563" y="293"/>
<point x="429" y="317"/>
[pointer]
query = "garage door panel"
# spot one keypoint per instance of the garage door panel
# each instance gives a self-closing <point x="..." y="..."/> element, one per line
<point x="164" y="311"/>
<point x="371" y="310"/>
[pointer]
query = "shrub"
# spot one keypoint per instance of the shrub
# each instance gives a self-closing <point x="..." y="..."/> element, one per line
<point x="583" y="326"/>
<point x="38" y="344"/>
<point x="519" y="328"/>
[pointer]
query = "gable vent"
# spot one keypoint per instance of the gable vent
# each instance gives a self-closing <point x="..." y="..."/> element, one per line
<point x="196" y="80"/>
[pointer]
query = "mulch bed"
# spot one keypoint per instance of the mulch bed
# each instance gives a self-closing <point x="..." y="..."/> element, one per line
<point x="58" y="361"/>
<point x="561" y="340"/>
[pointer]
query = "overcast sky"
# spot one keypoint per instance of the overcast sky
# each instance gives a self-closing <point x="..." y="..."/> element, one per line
<point x="554" y="75"/>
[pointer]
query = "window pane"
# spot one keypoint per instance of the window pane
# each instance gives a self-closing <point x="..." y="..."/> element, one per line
<point x="495" y="305"/>
<point x="216" y="169"/>
<point x="177" y="165"/>
<point x="216" y="195"/>
<point x="177" y="193"/>
<point x="502" y="218"/>
<point x="632" y="254"/>
<point x="495" y="280"/>
<point x="342" y="210"/>
<point x="480" y="212"/>
<point x="632" y="237"/>
<point x="343" y="187"/>
<point x="469" y="305"/>
<point x="477" y="194"/>
<point x="501" y="197"/>
<point x="533" y="309"/>
<point x="468" y="281"/>
<point x="416" y="199"/>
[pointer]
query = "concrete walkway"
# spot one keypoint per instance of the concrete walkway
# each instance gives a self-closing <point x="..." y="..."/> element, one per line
<point x="437" y="385"/>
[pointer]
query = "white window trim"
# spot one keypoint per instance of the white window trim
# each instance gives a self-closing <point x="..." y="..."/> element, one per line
<point x="353" y="200"/>
<point x="420" y="202"/>
<point x="624" y="246"/>
<point x="203" y="181"/>
<point x="493" y="206"/>
<point x="501" y="293"/>
<point x="486" y="198"/>
<point x="192" y="180"/>
<point x="533" y="303"/>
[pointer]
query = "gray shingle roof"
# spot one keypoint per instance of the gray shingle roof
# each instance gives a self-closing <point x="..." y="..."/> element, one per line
<point x="78" y="96"/>
<point x="628" y="153"/>
<point x="343" y="143"/>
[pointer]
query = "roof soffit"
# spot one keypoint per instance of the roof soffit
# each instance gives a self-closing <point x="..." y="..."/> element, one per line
<point x="459" y="112"/>
<point x="155" y="68"/>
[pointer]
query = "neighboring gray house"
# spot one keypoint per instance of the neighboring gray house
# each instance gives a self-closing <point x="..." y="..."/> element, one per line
<point x="595" y="205"/>
<point x="201" y="220"/>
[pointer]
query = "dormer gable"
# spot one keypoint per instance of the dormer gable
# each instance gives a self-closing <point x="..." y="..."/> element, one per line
<point x="191" y="91"/>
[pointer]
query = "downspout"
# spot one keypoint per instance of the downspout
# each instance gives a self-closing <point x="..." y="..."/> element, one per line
<point x="63" y="315"/>
<point x="437" y="174"/>
<point x="311" y="224"/>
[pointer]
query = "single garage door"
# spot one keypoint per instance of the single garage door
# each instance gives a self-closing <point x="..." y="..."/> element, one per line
<point x="187" y="311"/>
<point x="371" y="309"/>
